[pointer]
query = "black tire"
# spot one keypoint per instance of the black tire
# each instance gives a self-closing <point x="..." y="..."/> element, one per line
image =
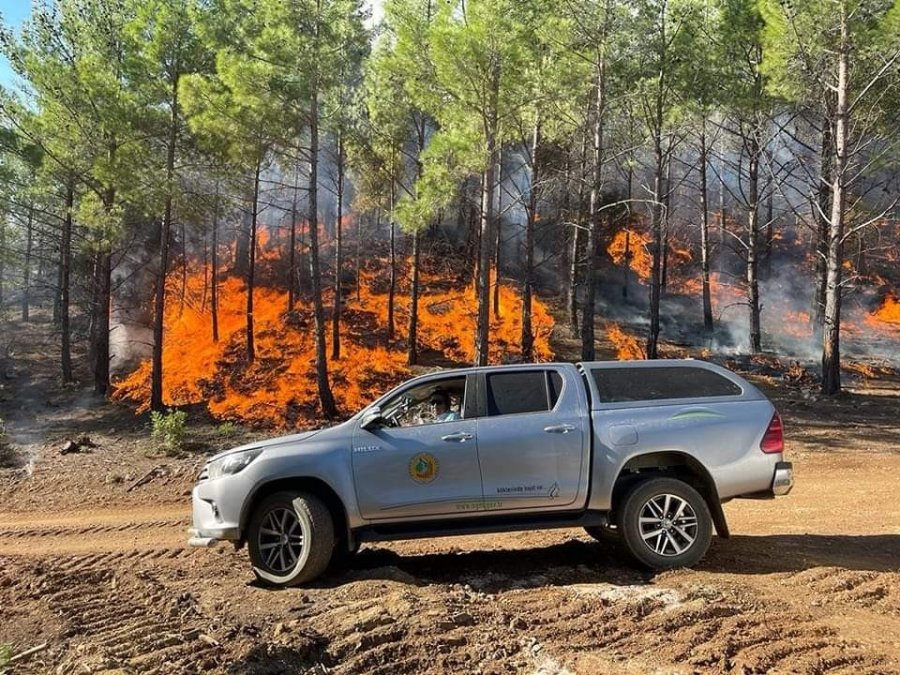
<point x="290" y="562"/>
<point x="605" y="534"/>
<point x="660" y="541"/>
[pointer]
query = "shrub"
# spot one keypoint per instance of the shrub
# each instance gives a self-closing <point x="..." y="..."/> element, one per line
<point x="6" y="653"/>
<point x="169" y="429"/>
<point x="227" y="429"/>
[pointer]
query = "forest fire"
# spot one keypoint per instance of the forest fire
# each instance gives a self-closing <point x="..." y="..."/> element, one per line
<point x="279" y="387"/>
<point x="627" y="346"/>
<point x="630" y="246"/>
<point x="888" y="313"/>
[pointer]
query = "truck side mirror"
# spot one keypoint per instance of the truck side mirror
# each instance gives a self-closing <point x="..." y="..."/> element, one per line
<point x="372" y="418"/>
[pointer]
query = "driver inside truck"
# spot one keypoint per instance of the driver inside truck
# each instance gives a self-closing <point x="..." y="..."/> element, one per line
<point x="440" y="407"/>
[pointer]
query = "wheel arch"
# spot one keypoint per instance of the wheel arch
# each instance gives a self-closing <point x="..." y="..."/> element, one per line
<point x="315" y="486"/>
<point x="672" y="464"/>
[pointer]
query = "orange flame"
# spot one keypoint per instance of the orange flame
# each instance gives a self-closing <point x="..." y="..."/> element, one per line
<point x="630" y="247"/>
<point x="627" y="346"/>
<point x="888" y="313"/>
<point x="279" y="387"/>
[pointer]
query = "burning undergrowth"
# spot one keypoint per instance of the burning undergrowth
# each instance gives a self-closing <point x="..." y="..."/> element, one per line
<point x="278" y="388"/>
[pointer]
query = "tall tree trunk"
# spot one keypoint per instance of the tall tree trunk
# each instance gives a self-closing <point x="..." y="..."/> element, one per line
<point x="593" y="230"/>
<point x="412" y="355"/>
<point x="26" y="274"/>
<point x="578" y="236"/>
<point x="704" y="232"/>
<point x="326" y="399"/>
<point x="498" y="240"/>
<point x="100" y="294"/>
<point x="753" y="242"/>
<point x="292" y="257"/>
<point x="831" y="352"/>
<point x="2" y="260"/>
<point x="338" y="260"/>
<point x="65" y="268"/>
<point x="667" y="208"/>
<point x="823" y="198"/>
<point x="359" y="236"/>
<point x="491" y="126"/>
<point x="530" y="215"/>
<point x="564" y="216"/>
<point x="392" y="284"/>
<point x="656" y="217"/>
<point x="156" y="378"/>
<point x="412" y="349"/>
<point x="251" y="261"/>
<point x="214" y="281"/>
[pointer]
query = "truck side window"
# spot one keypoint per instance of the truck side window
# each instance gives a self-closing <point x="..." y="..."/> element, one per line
<point x="511" y="393"/>
<point x="617" y="385"/>
<point x="431" y="403"/>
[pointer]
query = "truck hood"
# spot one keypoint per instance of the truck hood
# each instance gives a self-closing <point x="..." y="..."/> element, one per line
<point x="280" y="441"/>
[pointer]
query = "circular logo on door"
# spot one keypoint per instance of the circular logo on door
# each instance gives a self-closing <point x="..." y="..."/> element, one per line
<point x="423" y="468"/>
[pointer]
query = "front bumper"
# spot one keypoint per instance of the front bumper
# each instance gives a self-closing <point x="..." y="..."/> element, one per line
<point x="783" y="480"/>
<point x="215" y="516"/>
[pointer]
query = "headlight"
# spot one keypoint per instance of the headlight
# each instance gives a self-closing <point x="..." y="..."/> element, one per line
<point x="232" y="464"/>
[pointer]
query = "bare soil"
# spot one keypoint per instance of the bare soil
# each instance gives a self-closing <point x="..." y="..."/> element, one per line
<point x="93" y="563"/>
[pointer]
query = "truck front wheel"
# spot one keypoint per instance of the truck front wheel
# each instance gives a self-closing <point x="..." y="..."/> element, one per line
<point x="291" y="538"/>
<point x="665" y="523"/>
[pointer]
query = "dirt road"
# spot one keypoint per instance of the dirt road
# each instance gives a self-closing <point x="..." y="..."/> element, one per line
<point x="808" y="584"/>
<point x="93" y="563"/>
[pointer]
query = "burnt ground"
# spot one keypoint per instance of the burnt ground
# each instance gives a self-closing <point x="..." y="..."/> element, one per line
<point x="93" y="563"/>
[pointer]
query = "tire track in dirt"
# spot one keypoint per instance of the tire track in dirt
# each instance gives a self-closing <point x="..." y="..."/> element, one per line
<point x="127" y="622"/>
<point x="876" y="591"/>
<point x="103" y="531"/>
<point x="711" y="634"/>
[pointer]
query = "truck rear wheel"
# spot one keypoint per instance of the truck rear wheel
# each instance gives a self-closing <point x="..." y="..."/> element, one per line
<point x="290" y="538"/>
<point x="665" y="523"/>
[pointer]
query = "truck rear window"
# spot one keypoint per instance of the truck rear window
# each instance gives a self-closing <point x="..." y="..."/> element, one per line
<point x="525" y="391"/>
<point x="616" y="385"/>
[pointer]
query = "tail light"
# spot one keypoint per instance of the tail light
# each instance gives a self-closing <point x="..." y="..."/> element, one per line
<point x="773" y="440"/>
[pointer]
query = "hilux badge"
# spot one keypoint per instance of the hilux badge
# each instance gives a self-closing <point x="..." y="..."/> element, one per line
<point x="423" y="467"/>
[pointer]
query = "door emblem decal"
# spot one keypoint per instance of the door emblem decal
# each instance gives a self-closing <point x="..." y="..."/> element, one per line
<point x="423" y="467"/>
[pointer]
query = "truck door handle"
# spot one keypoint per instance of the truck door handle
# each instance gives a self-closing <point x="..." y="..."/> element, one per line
<point x="559" y="429"/>
<point x="461" y="437"/>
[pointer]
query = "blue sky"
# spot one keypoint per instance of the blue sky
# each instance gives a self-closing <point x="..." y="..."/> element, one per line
<point x="13" y="13"/>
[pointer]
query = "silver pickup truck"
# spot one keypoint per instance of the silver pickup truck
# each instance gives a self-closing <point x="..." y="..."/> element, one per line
<point x="644" y="452"/>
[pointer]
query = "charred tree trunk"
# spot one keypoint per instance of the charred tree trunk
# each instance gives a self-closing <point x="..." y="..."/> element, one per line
<point x="491" y="128"/>
<point x="26" y="273"/>
<point x="214" y="281"/>
<point x="753" y="242"/>
<point x="667" y="208"/>
<point x="100" y="295"/>
<point x="831" y="352"/>
<point x="392" y="283"/>
<point x="329" y="409"/>
<point x="2" y="260"/>
<point x="292" y="257"/>
<point x="251" y="261"/>
<point x="593" y="230"/>
<point x="704" y="233"/>
<point x="338" y="259"/>
<point x="498" y="239"/>
<point x="530" y="216"/>
<point x="412" y="349"/>
<point x="412" y="355"/>
<point x="65" y="268"/>
<point x="577" y="237"/>
<point x="156" y="378"/>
